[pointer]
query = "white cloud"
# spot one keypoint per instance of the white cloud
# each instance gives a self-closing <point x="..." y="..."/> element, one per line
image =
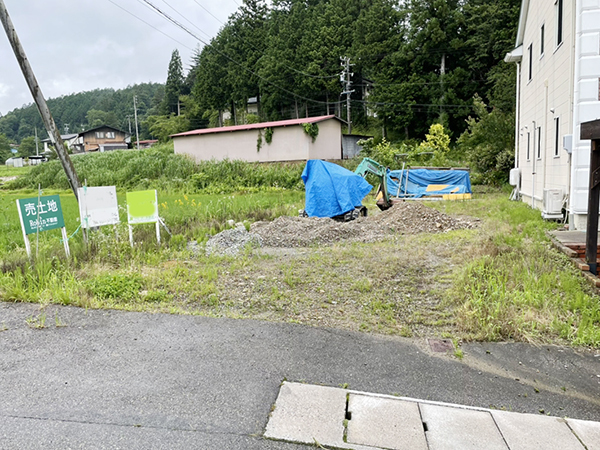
<point x="90" y="44"/>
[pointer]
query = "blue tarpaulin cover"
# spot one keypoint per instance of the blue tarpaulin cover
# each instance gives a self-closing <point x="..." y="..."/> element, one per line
<point x="444" y="181"/>
<point x="332" y="190"/>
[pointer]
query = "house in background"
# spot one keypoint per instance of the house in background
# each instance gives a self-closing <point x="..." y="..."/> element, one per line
<point x="557" y="53"/>
<point x="289" y="141"/>
<point x="101" y="139"/>
<point x="69" y="139"/>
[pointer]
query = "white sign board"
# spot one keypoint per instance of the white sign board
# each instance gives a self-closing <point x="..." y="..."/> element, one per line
<point x="98" y="206"/>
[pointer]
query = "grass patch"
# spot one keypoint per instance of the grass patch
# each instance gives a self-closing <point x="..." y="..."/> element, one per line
<point x="502" y="281"/>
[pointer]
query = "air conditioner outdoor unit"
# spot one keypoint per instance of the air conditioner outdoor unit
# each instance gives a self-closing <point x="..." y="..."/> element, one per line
<point x="514" y="178"/>
<point x="552" y="204"/>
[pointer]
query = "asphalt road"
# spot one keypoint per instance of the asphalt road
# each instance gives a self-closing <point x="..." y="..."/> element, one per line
<point x="110" y="379"/>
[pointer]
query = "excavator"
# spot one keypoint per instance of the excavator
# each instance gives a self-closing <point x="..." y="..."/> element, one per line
<point x="439" y="184"/>
<point x="370" y="166"/>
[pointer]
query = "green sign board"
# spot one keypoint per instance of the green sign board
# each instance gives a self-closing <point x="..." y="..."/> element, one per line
<point x="142" y="207"/>
<point x="41" y="214"/>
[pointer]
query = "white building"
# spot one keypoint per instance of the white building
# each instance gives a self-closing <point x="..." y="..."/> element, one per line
<point x="557" y="53"/>
<point x="284" y="140"/>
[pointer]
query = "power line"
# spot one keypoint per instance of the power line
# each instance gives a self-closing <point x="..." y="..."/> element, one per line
<point x="260" y="50"/>
<point x="186" y="19"/>
<point x="150" y="25"/>
<point x="225" y="55"/>
<point x="201" y="6"/>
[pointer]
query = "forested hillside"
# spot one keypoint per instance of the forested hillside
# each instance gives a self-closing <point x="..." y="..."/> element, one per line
<point x="86" y="110"/>
<point x="414" y="62"/>
<point x="411" y="64"/>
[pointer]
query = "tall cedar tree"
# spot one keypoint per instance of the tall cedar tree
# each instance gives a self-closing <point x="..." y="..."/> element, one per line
<point x="174" y="85"/>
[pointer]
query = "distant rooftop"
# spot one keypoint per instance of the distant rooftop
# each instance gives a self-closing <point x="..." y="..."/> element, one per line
<point x="254" y="126"/>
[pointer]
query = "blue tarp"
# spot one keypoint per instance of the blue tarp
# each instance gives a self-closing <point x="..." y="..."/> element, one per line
<point x="332" y="190"/>
<point x="449" y="182"/>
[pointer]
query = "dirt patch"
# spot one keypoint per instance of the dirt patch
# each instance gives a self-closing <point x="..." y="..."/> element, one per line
<point x="402" y="218"/>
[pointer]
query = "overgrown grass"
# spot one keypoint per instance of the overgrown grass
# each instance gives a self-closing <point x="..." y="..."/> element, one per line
<point x="515" y="286"/>
<point x="9" y="171"/>
<point x="160" y="168"/>
<point x="502" y="281"/>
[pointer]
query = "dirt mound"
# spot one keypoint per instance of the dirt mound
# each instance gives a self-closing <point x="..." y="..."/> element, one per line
<point x="403" y="218"/>
<point x="414" y="217"/>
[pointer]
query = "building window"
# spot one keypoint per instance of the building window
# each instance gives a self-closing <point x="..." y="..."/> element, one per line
<point x="539" y="143"/>
<point x="556" y="135"/>
<point x="99" y="134"/>
<point x="110" y="135"/>
<point x="528" y="146"/>
<point x="542" y="40"/>
<point x="530" y="53"/>
<point x="559" y="22"/>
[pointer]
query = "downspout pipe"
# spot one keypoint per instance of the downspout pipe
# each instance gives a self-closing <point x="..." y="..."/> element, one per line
<point x="533" y="158"/>
<point x="517" y="115"/>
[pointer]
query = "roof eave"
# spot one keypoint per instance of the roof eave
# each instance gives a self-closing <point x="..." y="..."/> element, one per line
<point x="515" y="56"/>
<point x="522" y="21"/>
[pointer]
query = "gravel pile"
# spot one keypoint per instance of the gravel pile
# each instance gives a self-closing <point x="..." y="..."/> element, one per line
<point x="402" y="218"/>
<point x="414" y="217"/>
<point x="231" y="242"/>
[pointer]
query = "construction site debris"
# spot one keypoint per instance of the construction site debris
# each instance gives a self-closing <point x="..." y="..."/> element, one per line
<point x="231" y="242"/>
<point x="403" y="218"/>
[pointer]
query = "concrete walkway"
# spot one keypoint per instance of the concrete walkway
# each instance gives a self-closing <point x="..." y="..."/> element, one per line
<point x="92" y="379"/>
<point x="348" y="419"/>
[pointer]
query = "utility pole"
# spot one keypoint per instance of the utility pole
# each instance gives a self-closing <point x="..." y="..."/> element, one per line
<point x="346" y="77"/>
<point x="129" y="121"/>
<point x="137" y="134"/>
<point x="37" y="150"/>
<point x="443" y="99"/>
<point x="38" y="97"/>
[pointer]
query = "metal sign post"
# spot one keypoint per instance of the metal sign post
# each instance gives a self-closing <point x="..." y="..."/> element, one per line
<point x="591" y="130"/>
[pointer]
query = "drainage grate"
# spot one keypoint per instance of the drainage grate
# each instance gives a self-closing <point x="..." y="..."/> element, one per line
<point x="440" y="345"/>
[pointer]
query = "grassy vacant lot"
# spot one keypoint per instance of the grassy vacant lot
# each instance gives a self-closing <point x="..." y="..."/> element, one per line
<point x="502" y="281"/>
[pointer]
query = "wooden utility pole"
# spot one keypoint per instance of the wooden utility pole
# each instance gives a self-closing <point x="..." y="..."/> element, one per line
<point x="38" y="97"/>
<point x="591" y="130"/>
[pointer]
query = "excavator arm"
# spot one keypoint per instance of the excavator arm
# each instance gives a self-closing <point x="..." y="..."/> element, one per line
<point x="371" y="166"/>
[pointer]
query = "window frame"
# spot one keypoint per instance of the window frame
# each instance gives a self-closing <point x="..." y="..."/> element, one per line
<point x="559" y="13"/>
<point x="530" y="54"/>
<point x="557" y="137"/>
<point x="539" y="143"/>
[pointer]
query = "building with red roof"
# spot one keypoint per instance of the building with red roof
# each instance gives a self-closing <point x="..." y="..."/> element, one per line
<point x="284" y="140"/>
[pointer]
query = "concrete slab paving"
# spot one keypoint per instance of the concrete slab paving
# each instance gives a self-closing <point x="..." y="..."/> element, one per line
<point x="305" y="413"/>
<point x="387" y="423"/>
<point x="450" y="428"/>
<point x="588" y="432"/>
<point x="115" y="379"/>
<point x="533" y="432"/>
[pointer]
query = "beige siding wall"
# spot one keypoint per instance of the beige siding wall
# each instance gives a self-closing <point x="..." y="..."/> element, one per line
<point x="546" y="96"/>
<point x="289" y="143"/>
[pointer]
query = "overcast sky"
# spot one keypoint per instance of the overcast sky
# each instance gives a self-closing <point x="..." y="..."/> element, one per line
<point x="81" y="45"/>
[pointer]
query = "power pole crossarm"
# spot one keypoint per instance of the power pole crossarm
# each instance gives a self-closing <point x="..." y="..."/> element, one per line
<point x="38" y="97"/>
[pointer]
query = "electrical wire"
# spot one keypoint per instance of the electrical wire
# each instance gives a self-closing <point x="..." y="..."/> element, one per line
<point x="150" y="25"/>
<point x="225" y="55"/>
<point x="187" y="20"/>
<point x="260" y="50"/>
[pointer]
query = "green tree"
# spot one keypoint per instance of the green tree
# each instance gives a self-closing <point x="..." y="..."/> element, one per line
<point x="174" y="85"/>
<point x="4" y="148"/>
<point x="161" y="127"/>
<point x="27" y="147"/>
<point x="96" y="118"/>
<point x="488" y="143"/>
